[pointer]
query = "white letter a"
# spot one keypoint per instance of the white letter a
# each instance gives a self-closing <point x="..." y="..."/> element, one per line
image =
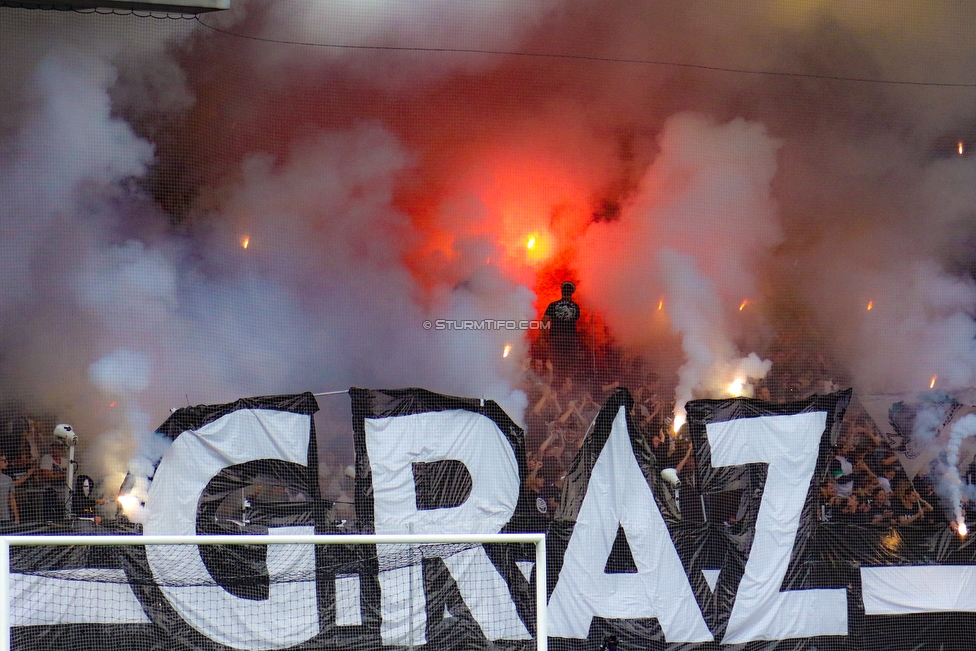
<point x="618" y="495"/>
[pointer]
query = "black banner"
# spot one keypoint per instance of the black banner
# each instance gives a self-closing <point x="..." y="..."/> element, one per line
<point x="730" y="545"/>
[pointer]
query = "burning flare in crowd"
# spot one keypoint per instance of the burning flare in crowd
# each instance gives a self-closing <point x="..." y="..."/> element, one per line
<point x="129" y="502"/>
<point x="963" y="428"/>
<point x="737" y="386"/>
<point x="680" y="418"/>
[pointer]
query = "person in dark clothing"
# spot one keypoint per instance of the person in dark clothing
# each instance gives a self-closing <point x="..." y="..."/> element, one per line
<point x="537" y="511"/>
<point x="560" y="318"/>
<point x="83" y="501"/>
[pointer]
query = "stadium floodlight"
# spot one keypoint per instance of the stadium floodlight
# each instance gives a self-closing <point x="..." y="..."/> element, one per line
<point x="166" y="6"/>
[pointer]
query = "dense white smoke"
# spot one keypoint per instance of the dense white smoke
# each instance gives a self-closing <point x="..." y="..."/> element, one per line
<point x="140" y="155"/>
<point x="942" y="448"/>
<point x="951" y="484"/>
<point x="61" y="195"/>
<point x="139" y="317"/>
<point x="691" y="241"/>
<point x="920" y="326"/>
<point x="712" y="368"/>
<point x="121" y="377"/>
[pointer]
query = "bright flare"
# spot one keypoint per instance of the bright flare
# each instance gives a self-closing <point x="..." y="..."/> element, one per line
<point x="744" y="303"/>
<point x="508" y="349"/>
<point x="932" y="383"/>
<point x="735" y="389"/>
<point x="660" y="304"/>
<point x="870" y="305"/>
<point x="245" y="241"/>
<point x="128" y="502"/>
<point x="537" y="247"/>
<point x="961" y="150"/>
<point x="963" y="529"/>
<point x="679" y="419"/>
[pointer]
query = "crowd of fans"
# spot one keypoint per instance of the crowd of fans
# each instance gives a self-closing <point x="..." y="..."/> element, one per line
<point x="867" y="485"/>
<point x="567" y="384"/>
<point x="865" y="482"/>
<point x="567" y="379"/>
<point x="562" y="409"/>
<point x="34" y="466"/>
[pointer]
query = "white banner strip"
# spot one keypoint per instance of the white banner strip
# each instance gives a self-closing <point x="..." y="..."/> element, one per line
<point x="918" y="589"/>
<point x="50" y="599"/>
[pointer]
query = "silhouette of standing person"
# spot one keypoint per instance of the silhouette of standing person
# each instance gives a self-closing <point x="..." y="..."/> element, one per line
<point x="560" y="317"/>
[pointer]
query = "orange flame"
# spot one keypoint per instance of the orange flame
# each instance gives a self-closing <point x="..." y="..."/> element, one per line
<point x="932" y="383"/>
<point x="660" y="304"/>
<point x="508" y="349"/>
<point x="962" y="529"/>
<point x="539" y="247"/>
<point x="960" y="149"/>
<point x="745" y="302"/>
<point x="870" y="305"/>
<point x="245" y="241"/>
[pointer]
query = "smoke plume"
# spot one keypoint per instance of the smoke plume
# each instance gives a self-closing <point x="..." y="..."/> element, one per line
<point x="277" y="198"/>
